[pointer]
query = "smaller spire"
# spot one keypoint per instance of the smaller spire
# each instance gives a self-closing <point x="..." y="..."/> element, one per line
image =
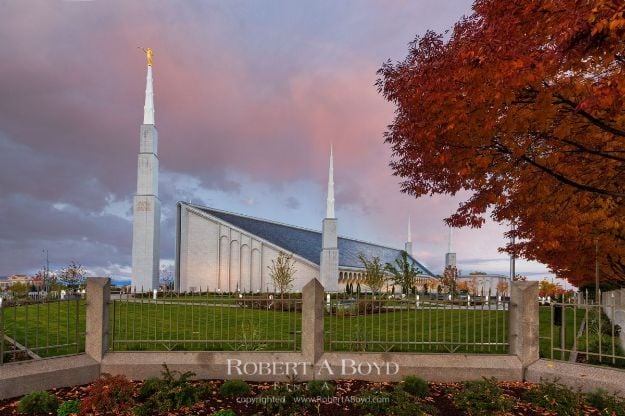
<point x="409" y="230"/>
<point x="330" y="199"/>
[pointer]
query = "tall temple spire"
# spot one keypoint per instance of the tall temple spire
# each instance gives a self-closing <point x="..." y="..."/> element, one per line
<point x="450" y="241"/>
<point x="146" y="205"/>
<point x="408" y="245"/>
<point x="330" y="199"/>
<point x="450" y="256"/>
<point x="148" y="108"/>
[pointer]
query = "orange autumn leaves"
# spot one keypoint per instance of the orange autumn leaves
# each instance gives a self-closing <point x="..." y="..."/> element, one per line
<point x="523" y="106"/>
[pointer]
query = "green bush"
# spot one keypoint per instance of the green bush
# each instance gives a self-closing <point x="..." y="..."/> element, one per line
<point x="555" y="397"/>
<point x="320" y="388"/>
<point x="403" y="404"/>
<point x="415" y="385"/>
<point x="374" y="401"/>
<point x="282" y="400"/>
<point x="172" y="391"/>
<point x="233" y="388"/>
<point x="224" y="412"/>
<point x="149" y="387"/>
<point x="608" y="404"/>
<point x="38" y="402"/>
<point x="482" y="397"/>
<point x="70" y="407"/>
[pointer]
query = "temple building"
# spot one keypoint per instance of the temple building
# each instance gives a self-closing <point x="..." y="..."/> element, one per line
<point x="228" y="252"/>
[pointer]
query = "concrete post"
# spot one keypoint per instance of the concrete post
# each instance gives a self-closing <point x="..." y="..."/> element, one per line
<point x="524" y="321"/>
<point x="312" y="321"/>
<point x="98" y="297"/>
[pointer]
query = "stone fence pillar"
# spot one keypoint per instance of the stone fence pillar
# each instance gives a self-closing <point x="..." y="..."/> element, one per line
<point x="98" y="297"/>
<point x="312" y="320"/>
<point x="523" y="336"/>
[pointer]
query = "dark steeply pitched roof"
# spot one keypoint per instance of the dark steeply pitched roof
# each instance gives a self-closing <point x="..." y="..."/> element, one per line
<point x="307" y="243"/>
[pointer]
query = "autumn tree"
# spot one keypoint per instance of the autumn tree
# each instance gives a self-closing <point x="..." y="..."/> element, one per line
<point x="502" y="287"/>
<point x="450" y="279"/>
<point x="374" y="276"/>
<point x="523" y="107"/>
<point x="472" y="285"/>
<point x="281" y="271"/>
<point x="404" y="272"/>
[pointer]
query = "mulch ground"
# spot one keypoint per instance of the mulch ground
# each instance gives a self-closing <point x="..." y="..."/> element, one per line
<point x="440" y="397"/>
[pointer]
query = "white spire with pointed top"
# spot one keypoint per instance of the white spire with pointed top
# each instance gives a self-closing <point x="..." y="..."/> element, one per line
<point x="409" y="231"/>
<point x="148" y="109"/>
<point x="330" y="199"/>
<point x="450" y="242"/>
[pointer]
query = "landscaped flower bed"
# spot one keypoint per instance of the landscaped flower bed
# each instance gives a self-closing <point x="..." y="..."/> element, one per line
<point x="175" y="394"/>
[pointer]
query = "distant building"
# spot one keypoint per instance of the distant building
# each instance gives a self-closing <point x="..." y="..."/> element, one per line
<point x="7" y="281"/>
<point x="478" y="284"/>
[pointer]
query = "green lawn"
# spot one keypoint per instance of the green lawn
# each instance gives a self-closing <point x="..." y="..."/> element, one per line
<point x="201" y="326"/>
<point x="420" y="330"/>
<point x="217" y="324"/>
<point x="47" y="329"/>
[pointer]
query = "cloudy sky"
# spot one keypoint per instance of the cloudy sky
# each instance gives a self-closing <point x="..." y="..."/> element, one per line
<point x="249" y="97"/>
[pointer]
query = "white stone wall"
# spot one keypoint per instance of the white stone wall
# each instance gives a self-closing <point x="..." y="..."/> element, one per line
<point x="214" y="255"/>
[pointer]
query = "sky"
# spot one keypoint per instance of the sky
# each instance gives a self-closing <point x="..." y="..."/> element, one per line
<point x="249" y="97"/>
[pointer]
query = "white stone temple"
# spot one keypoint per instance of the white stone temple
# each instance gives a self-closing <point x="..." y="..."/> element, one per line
<point x="146" y="205"/>
<point x="228" y="252"/>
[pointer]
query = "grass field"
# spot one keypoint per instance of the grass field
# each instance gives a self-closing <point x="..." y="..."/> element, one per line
<point x="58" y="328"/>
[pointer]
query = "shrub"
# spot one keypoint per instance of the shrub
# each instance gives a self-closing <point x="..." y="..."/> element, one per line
<point x="403" y="404"/>
<point x="555" y="397"/>
<point x="232" y="388"/>
<point x="608" y="404"/>
<point x="70" y="407"/>
<point x="38" y="402"/>
<point x="149" y="387"/>
<point x="374" y="401"/>
<point x="320" y="388"/>
<point x="281" y="400"/>
<point x="108" y="394"/>
<point x="172" y="391"/>
<point x="224" y="412"/>
<point x="205" y="390"/>
<point x="482" y="397"/>
<point x="415" y="385"/>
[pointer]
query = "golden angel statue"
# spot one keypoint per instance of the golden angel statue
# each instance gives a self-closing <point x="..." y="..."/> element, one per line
<point x="148" y="54"/>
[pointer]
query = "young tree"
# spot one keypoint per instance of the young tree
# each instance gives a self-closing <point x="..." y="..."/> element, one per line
<point x="472" y="285"/>
<point x="374" y="276"/>
<point x="449" y="279"/>
<point x="522" y="107"/>
<point x="281" y="271"/>
<point x="72" y="276"/>
<point x="404" y="272"/>
<point x="463" y="287"/>
<point x="502" y="287"/>
<point x="166" y="276"/>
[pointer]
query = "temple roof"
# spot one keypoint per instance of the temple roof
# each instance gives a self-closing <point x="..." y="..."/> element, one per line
<point x="307" y="243"/>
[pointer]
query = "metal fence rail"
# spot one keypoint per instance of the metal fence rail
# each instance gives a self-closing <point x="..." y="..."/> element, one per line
<point x="582" y="332"/>
<point x="417" y="323"/>
<point x="40" y="325"/>
<point x="205" y="321"/>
